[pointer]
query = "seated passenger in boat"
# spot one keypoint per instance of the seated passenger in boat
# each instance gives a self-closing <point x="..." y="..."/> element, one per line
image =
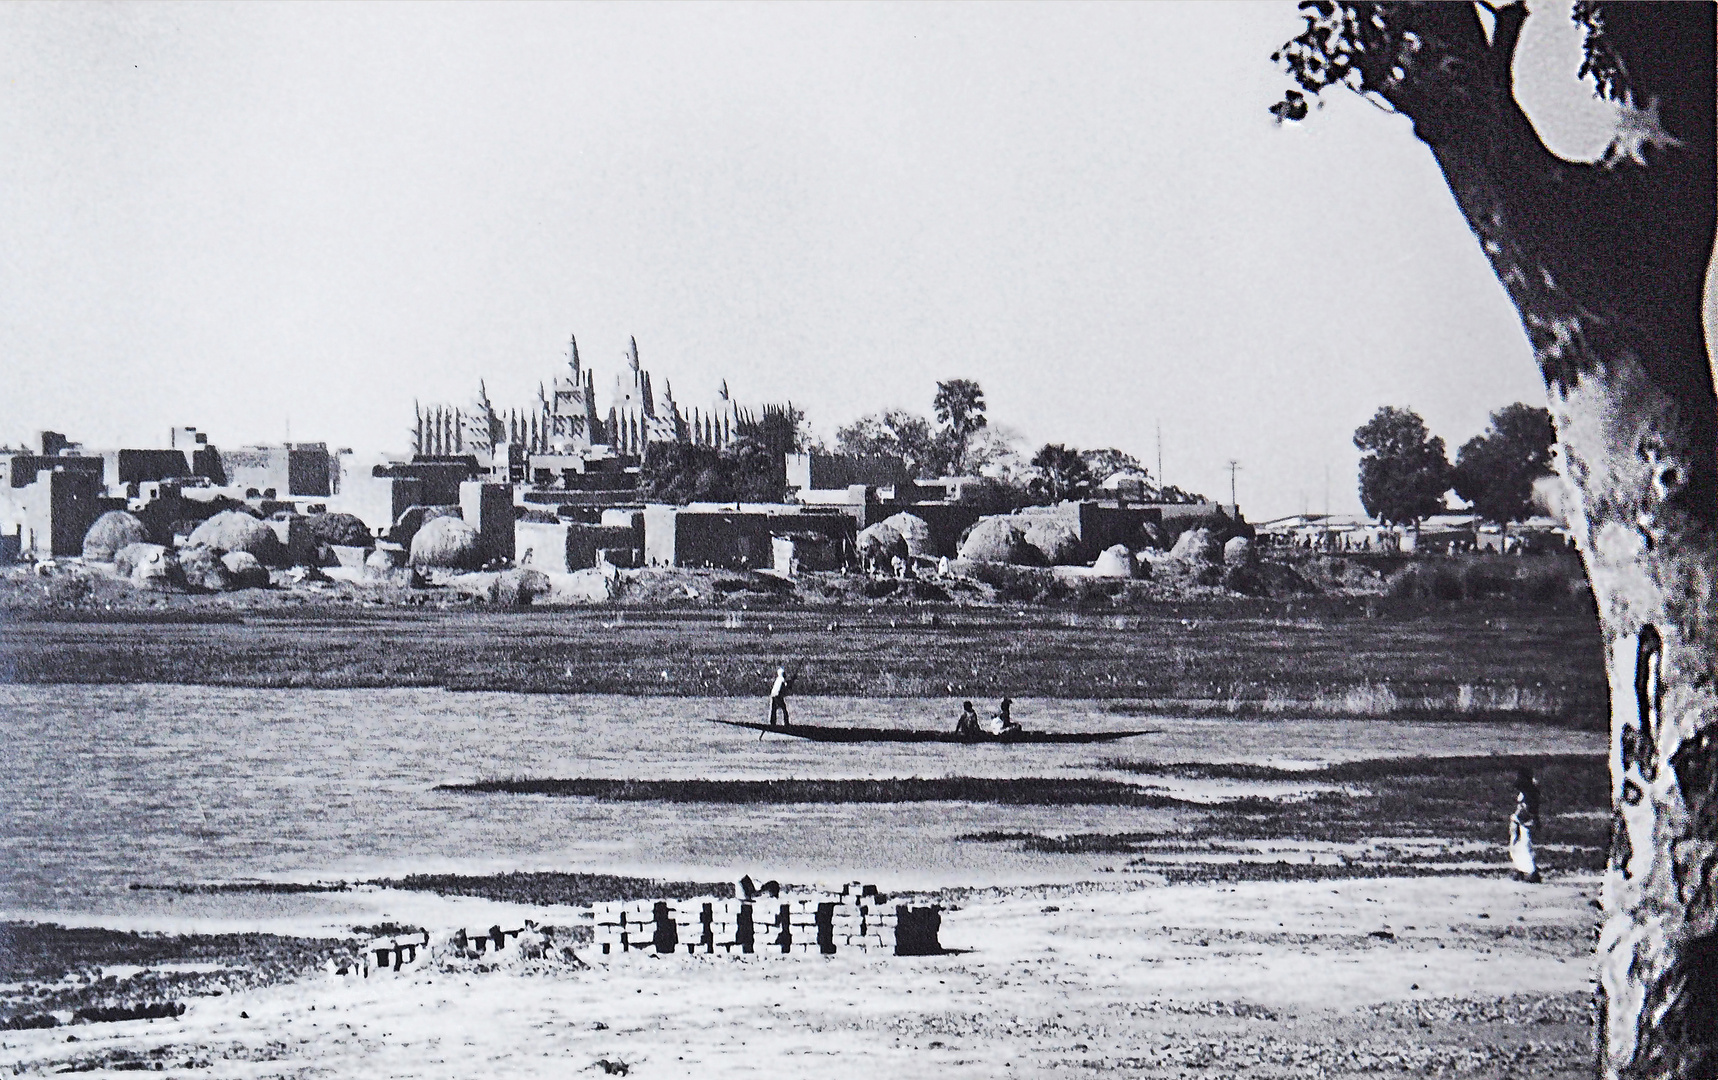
<point x="1002" y="723"/>
<point x="968" y="722"/>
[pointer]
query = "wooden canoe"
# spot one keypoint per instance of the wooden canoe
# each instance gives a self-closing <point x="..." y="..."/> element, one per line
<point x="818" y="733"/>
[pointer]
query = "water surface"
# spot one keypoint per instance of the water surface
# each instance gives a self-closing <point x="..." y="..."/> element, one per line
<point x="103" y="786"/>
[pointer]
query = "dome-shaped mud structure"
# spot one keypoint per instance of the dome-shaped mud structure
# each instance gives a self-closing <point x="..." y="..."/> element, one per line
<point x="999" y="540"/>
<point x="111" y="532"/>
<point x="232" y="530"/>
<point x="1115" y="561"/>
<point x="1058" y="543"/>
<point x="346" y="530"/>
<point x="447" y="543"/>
<point x="914" y="530"/>
<point x="881" y="544"/>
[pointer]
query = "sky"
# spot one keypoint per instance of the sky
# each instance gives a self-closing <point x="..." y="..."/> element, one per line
<point x="278" y="221"/>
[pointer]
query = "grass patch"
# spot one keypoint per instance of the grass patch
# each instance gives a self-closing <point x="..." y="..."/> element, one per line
<point x="219" y="887"/>
<point x="577" y="890"/>
<point x="1230" y="657"/>
<point x="1231" y="872"/>
<point x="1025" y="791"/>
<point x="1456" y="799"/>
<point x="57" y="968"/>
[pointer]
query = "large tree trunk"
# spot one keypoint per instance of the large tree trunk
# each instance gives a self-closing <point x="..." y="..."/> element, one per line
<point x="1606" y="264"/>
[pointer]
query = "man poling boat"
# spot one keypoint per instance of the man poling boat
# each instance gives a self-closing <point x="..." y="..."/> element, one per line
<point x="831" y="734"/>
<point x="779" y="691"/>
<point x="1001" y="728"/>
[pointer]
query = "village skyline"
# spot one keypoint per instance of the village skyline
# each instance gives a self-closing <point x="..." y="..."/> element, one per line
<point x="227" y="222"/>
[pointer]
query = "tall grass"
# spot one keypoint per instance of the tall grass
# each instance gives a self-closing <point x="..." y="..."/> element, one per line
<point x="1381" y="700"/>
<point x="1488" y="577"/>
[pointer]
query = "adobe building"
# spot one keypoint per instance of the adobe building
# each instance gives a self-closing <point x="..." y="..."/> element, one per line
<point x="565" y="546"/>
<point x="838" y="472"/>
<point x="950" y="505"/>
<point x="50" y="497"/>
<point x="488" y="508"/>
<point x="566" y="437"/>
<point x="50" y="514"/>
<point x="289" y="470"/>
<point x="1098" y="525"/>
<point x="732" y="536"/>
<point x="378" y="491"/>
<point x="123" y="471"/>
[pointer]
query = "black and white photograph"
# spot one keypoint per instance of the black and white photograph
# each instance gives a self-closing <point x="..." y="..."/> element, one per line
<point x="859" y="540"/>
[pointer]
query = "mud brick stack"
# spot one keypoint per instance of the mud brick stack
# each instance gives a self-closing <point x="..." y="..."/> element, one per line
<point x="806" y="923"/>
<point x="383" y="954"/>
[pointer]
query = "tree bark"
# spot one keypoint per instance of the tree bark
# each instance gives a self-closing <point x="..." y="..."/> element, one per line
<point x="1606" y="265"/>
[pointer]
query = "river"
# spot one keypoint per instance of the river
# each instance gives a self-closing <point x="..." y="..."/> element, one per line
<point x="107" y="786"/>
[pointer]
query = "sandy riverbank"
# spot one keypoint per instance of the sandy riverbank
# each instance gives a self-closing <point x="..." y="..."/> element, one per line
<point x="1471" y="976"/>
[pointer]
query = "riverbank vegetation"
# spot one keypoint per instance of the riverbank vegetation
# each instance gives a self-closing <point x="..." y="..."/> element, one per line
<point x="1350" y="657"/>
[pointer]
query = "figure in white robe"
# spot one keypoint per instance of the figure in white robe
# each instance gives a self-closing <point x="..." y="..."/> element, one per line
<point x="1521" y="825"/>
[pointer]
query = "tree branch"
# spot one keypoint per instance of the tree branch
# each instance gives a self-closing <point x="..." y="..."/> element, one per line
<point x="1504" y="38"/>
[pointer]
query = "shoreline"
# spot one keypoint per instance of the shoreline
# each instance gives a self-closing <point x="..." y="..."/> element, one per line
<point x="1481" y="976"/>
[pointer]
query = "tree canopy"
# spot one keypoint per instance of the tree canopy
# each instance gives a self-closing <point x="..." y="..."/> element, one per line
<point x="1496" y="471"/>
<point x="746" y="470"/>
<point x="1062" y="474"/>
<point x="1403" y="470"/>
<point x="1105" y="463"/>
<point x="895" y="433"/>
<point x="959" y="407"/>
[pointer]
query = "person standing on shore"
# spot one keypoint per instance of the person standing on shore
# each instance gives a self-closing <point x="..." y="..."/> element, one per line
<point x="778" y="696"/>
<point x="1521" y="825"/>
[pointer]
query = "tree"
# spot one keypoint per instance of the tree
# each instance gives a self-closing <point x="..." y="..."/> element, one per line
<point x="755" y="470"/>
<point x="1105" y="463"/>
<point x="1606" y="264"/>
<point x="1061" y="474"/>
<point x="1403" y="470"/>
<point x="1496" y="471"/>
<point x="994" y="451"/>
<point x="677" y="472"/>
<point x="895" y="433"/>
<point x="781" y="428"/>
<point x="746" y="470"/>
<point x="959" y="407"/>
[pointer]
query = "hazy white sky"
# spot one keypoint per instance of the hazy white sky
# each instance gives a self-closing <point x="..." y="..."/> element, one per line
<point x="243" y="216"/>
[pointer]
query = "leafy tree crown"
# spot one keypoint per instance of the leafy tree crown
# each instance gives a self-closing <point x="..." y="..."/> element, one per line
<point x="1496" y="471"/>
<point x="1403" y="468"/>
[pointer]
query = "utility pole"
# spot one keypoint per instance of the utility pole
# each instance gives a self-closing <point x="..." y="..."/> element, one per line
<point x="1160" y="453"/>
<point x="1234" y="467"/>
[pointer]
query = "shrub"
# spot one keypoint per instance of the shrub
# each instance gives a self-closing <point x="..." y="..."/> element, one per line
<point x="68" y="590"/>
<point x="347" y="530"/>
<point x="1483" y="578"/>
<point x="1014" y="584"/>
<point x="1426" y="581"/>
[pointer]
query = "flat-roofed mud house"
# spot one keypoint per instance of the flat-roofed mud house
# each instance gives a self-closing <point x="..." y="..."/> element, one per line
<point x="736" y="536"/>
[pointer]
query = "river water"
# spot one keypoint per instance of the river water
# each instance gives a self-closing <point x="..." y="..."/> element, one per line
<point x="102" y="787"/>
